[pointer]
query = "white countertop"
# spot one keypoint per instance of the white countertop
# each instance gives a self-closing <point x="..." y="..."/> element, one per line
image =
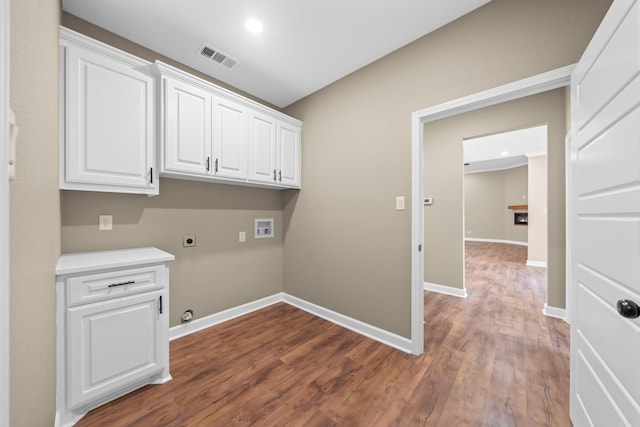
<point x="102" y="260"/>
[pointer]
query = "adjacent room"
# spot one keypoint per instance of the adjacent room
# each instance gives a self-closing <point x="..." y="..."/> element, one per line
<point x="257" y="213"/>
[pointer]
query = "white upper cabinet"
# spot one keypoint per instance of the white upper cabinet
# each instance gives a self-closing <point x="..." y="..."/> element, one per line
<point x="107" y="121"/>
<point x="289" y="154"/>
<point x="230" y="137"/>
<point x="274" y="150"/>
<point x="208" y="133"/>
<point x="263" y="146"/>
<point x="187" y="127"/>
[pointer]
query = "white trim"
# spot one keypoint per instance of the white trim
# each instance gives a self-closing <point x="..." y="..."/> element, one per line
<point x="508" y="242"/>
<point x="559" y="313"/>
<point x="373" y="332"/>
<point x="184" y="329"/>
<point x="447" y="290"/>
<point x="4" y="216"/>
<point x="517" y="165"/>
<point x="554" y="79"/>
<point x="532" y="263"/>
<point x="417" y="236"/>
<point x="518" y="89"/>
<point x="568" y="224"/>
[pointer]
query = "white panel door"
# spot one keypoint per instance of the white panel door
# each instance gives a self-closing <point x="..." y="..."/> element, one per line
<point x="289" y="155"/>
<point x="112" y="344"/>
<point x="188" y="123"/>
<point x="605" y="223"/>
<point x="230" y="136"/>
<point x="109" y="121"/>
<point x="262" y="148"/>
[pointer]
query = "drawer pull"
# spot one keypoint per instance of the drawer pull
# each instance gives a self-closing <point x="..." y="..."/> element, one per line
<point x="113" y="285"/>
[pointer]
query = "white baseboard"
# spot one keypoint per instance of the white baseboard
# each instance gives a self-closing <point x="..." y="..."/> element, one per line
<point x="510" y="242"/>
<point x="559" y="313"/>
<point x="447" y="290"/>
<point x="531" y="263"/>
<point x="373" y="332"/>
<point x="223" y="316"/>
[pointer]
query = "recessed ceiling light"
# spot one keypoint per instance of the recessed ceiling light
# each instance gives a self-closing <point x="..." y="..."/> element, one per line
<point x="504" y="153"/>
<point x="253" y="25"/>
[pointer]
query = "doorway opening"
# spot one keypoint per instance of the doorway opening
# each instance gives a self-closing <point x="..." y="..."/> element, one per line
<point x="512" y="91"/>
<point x="505" y="190"/>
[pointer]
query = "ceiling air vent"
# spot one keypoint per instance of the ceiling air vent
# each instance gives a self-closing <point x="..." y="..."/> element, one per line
<point x="216" y="56"/>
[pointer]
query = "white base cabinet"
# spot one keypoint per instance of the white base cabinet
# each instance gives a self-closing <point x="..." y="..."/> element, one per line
<point x="112" y="327"/>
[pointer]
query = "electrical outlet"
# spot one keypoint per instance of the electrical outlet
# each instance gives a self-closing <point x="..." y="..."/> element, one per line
<point x="105" y="222"/>
<point x="188" y="241"/>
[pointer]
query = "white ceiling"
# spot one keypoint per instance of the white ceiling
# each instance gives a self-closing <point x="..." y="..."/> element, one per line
<point x="305" y="45"/>
<point x="504" y="150"/>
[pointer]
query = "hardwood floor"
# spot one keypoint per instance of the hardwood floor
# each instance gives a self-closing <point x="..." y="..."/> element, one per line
<point x="492" y="359"/>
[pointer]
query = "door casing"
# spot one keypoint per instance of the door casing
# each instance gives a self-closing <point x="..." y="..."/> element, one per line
<point x="519" y="89"/>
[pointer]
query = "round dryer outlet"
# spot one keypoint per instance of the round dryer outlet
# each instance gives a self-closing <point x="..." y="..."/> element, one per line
<point x="187" y="316"/>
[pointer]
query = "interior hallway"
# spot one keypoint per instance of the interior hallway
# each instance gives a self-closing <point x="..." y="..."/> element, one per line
<point x="490" y="359"/>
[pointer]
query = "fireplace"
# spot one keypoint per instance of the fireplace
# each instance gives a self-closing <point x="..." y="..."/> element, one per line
<point x="520" y="218"/>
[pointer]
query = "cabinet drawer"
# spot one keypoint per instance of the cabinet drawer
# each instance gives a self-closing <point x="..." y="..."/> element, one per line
<point x="114" y="284"/>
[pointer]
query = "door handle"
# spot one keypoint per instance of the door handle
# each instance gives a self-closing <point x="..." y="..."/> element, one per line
<point x="628" y="309"/>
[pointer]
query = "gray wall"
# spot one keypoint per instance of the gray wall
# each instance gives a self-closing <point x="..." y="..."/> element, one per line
<point x="34" y="212"/>
<point x="444" y="223"/>
<point x="218" y="273"/>
<point x="345" y="247"/>
<point x="515" y="193"/>
<point x="486" y="197"/>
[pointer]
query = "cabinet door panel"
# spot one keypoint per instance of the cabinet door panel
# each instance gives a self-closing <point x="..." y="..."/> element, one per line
<point x="289" y="155"/>
<point x="109" y="121"/>
<point x="230" y="127"/>
<point x="187" y="128"/>
<point x="111" y="345"/>
<point x="262" y="148"/>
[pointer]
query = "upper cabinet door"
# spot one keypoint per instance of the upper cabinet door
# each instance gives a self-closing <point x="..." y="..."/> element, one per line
<point x="230" y="137"/>
<point x="108" y="124"/>
<point x="289" y="155"/>
<point x="263" y="147"/>
<point x="188" y="123"/>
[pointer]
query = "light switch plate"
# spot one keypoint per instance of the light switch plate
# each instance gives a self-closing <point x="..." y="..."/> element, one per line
<point x="105" y="222"/>
<point x="399" y="203"/>
<point x="242" y="237"/>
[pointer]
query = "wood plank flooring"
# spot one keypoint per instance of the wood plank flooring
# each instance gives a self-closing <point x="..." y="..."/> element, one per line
<point x="492" y="359"/>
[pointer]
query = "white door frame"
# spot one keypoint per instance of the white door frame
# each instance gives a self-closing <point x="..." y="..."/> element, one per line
<point x="4" y="213"/>
<point x="515" y="90"/>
